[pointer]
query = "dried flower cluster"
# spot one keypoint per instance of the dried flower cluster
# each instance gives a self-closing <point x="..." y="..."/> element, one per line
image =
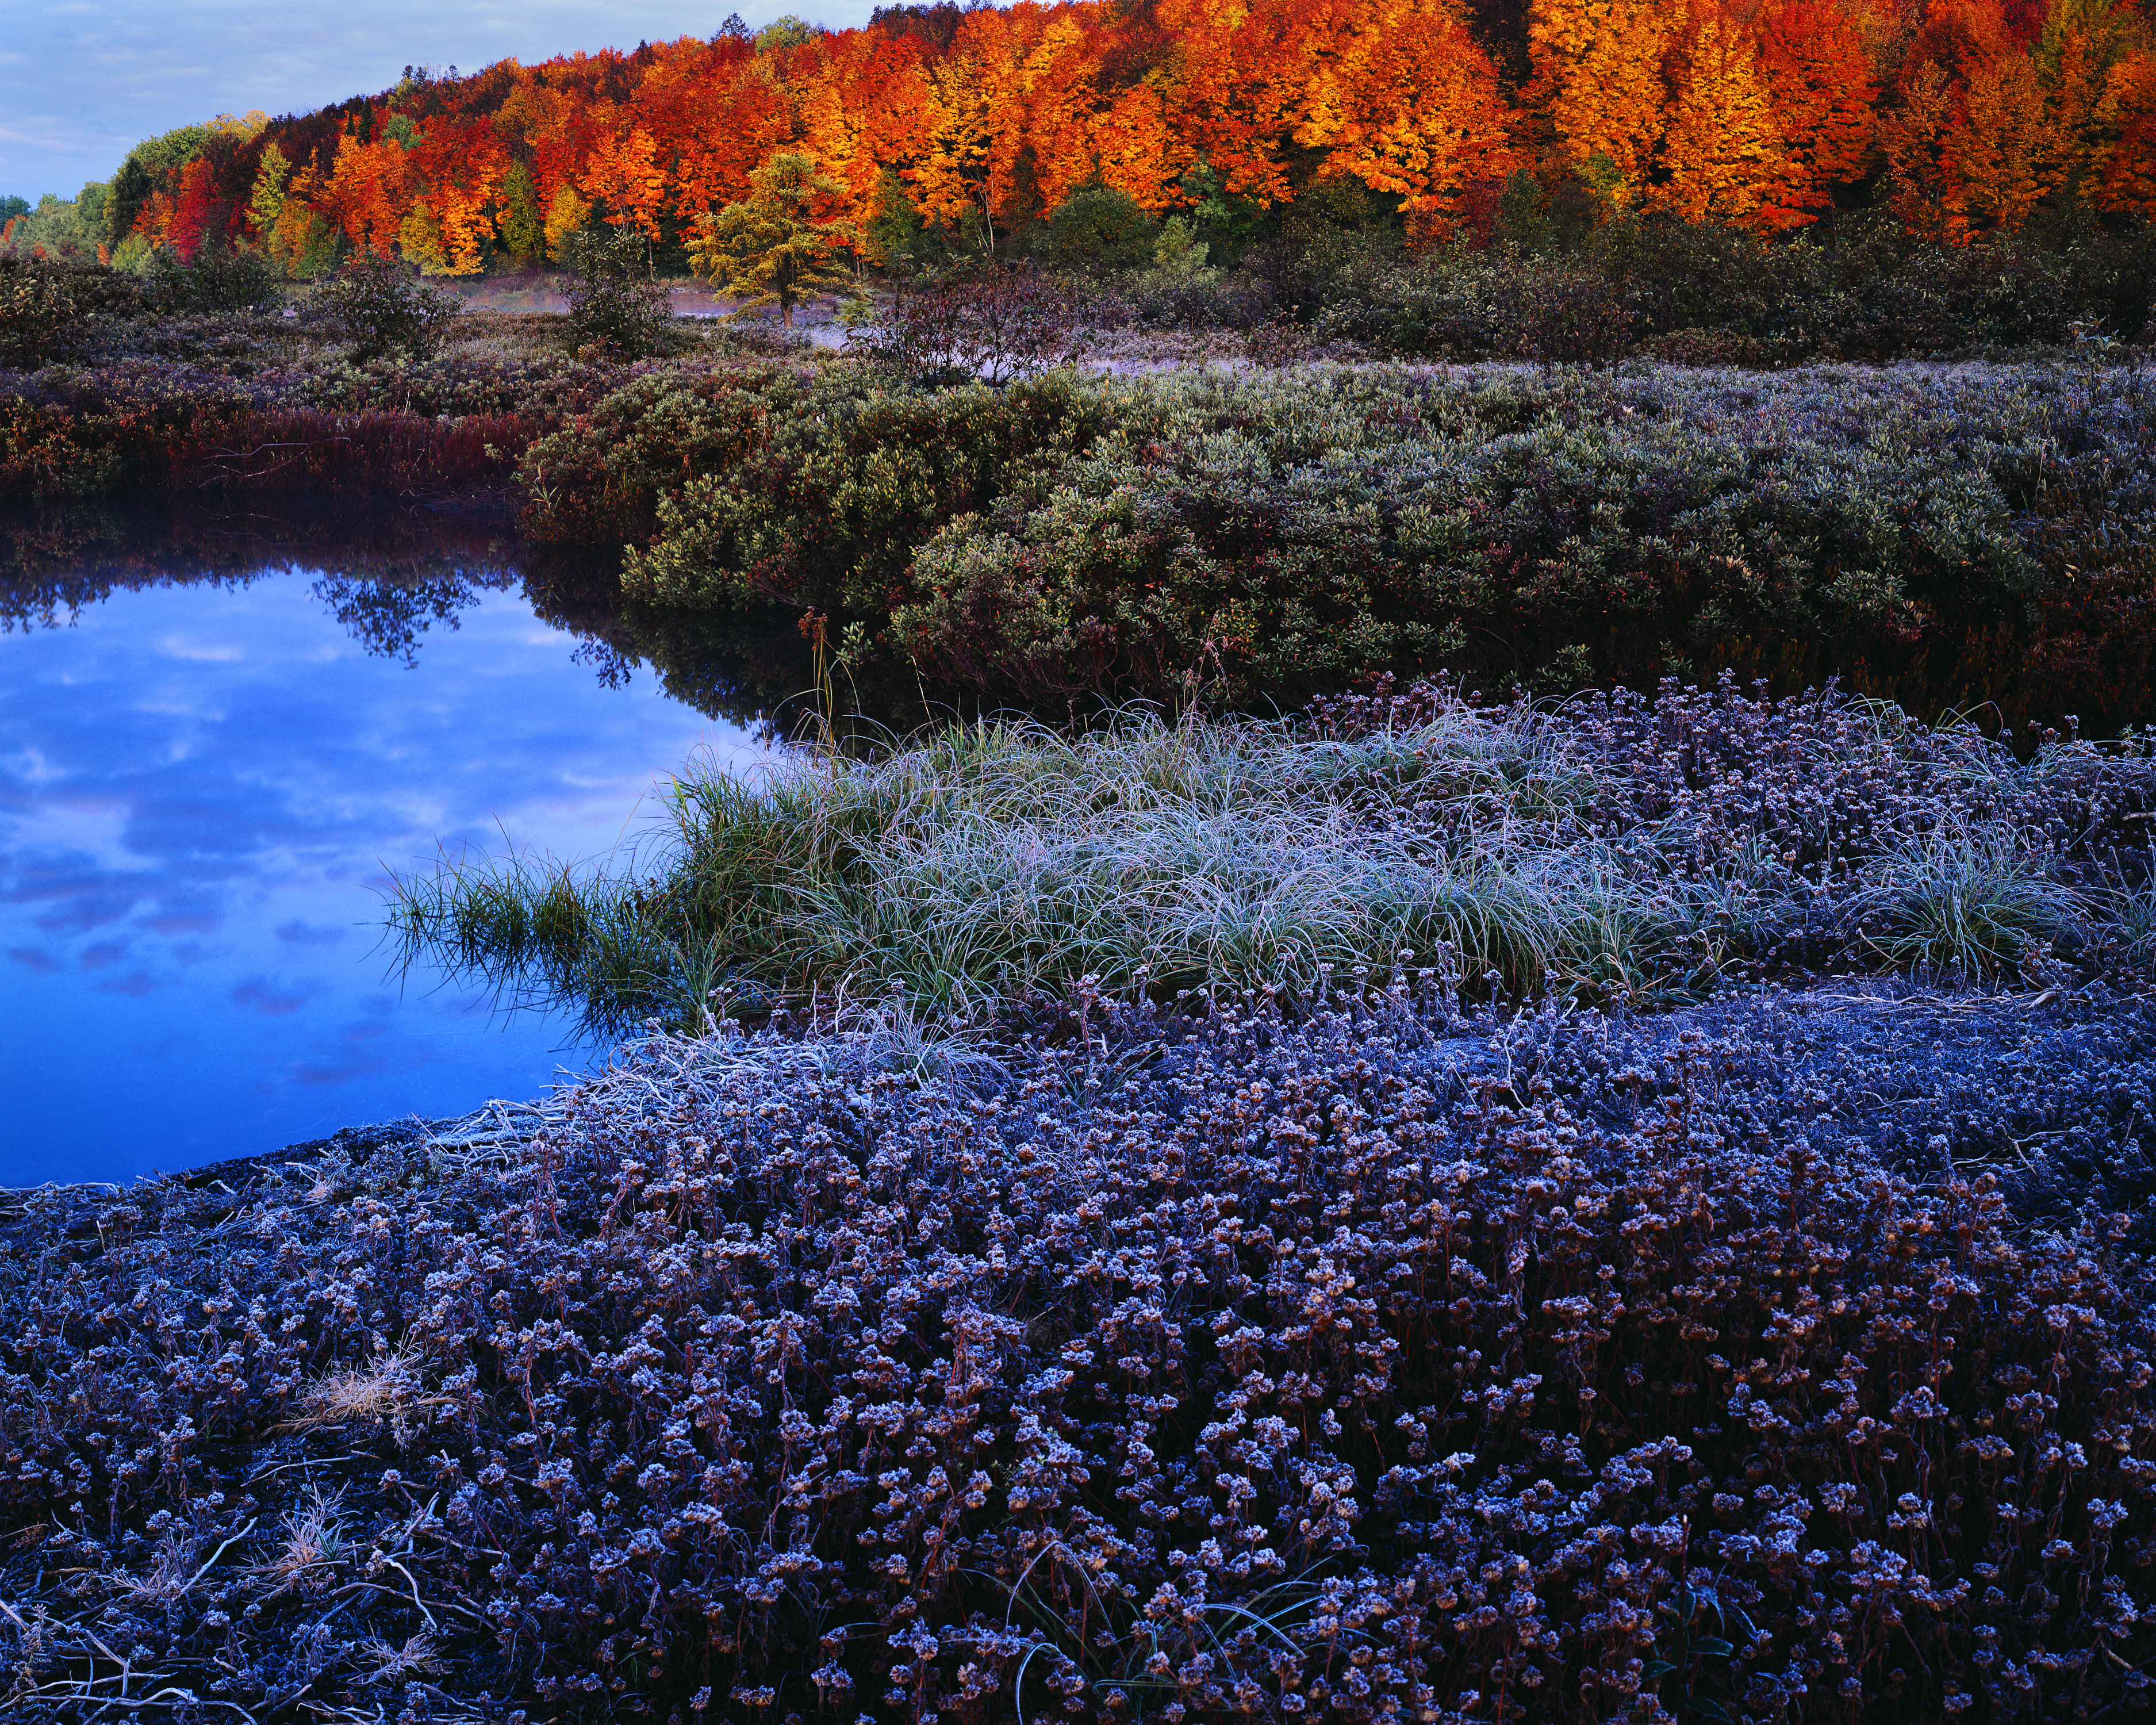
<point x="1363" y="1358"/>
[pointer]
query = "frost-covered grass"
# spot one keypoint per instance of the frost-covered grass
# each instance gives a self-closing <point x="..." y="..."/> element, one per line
<point x="1612" y="849"/>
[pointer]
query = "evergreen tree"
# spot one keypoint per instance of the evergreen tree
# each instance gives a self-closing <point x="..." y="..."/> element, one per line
<point x="769" y="248"/>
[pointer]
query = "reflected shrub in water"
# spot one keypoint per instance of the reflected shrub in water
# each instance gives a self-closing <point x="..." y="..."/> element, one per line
<point x="55" y="564"/>
<point x="1372" y="1362"/>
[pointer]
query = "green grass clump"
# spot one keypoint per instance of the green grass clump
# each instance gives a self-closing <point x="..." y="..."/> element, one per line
<point x="1612" y="851"/>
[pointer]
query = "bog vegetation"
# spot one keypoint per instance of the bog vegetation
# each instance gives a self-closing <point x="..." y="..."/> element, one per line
<point x="1189" y="1195"/>
<point x="1354" y="1355"/>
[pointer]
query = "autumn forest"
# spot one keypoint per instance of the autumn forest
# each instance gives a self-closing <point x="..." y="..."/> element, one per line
<point x="1965" y="118"/>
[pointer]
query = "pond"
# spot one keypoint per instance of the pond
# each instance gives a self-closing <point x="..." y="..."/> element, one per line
<point x="216" y="742"/>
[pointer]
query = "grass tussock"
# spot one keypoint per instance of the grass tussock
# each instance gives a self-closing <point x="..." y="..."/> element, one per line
<point x="1614" y="850"/>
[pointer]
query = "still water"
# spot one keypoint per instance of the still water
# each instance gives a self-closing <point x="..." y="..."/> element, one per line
<point x="204" y="782"/>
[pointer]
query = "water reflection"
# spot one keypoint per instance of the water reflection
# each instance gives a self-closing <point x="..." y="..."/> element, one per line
<point x="217" y="735"/>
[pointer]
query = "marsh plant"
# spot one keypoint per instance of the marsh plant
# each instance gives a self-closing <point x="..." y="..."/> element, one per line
<point x="1612" y="850"/>
<point x="1361" y="1353"/>
<point x="1942" y="536"/>
<point x="380" y="307"/>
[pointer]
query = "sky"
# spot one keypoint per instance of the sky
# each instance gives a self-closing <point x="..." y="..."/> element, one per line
<point x="83" y="81"/>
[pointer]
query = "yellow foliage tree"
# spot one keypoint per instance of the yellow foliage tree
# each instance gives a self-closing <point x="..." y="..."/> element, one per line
<point x="565" y="215"/>
<point x="266" y="202"/>
<point x="1598" y="71"/>
<point x="420" y="238"/>
<point x="1724" y="154"/>
<point x="769" y="248"/>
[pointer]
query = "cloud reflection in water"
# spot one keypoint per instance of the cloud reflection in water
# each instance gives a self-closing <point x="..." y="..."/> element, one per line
<point x="200" y="788"/>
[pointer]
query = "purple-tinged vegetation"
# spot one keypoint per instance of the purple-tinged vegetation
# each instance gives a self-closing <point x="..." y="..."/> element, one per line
<point x="1360" y="1357"/>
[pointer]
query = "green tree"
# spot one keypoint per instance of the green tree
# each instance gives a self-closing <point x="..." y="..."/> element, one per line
<point x="90" y="211"/>
<point x="1178" y="255"/>
<point x="786" y="31"/>
<point x="769" y="249"/>
<point x="523" y="228"/>
<point x="131" y="187"/>
<point x="1097" y="227"/>
<point x="63" y="226"/>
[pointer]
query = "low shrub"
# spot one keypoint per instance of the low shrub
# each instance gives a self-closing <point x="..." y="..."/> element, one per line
<point x="1275" y="538"/>
<point x="36" y="305"/>
<point x="993" y="322"/>
<point x="1940" y="537"/>
<point x="364" y="454"/>
<point x="84" y="434"/>
<point x="767" y="481"/>
<point x="381" y="307"/>
<point x="617" y="308"/>
<point x="143" y="423"/>
<point x="1637" y="284"/>
<point x="598" y="479"/>
<point x="218" y="278"/>
<point x="1370" y="1361"/>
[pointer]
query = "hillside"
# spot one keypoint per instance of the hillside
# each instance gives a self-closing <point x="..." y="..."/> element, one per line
<point x="943" y="127"/>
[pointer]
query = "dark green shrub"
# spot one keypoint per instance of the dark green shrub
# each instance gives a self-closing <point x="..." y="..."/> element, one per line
<point x="381" y="307"/>
<point x="37" y="306"/>
<point x="827" y="504"/>
<point x="1637" y="282"/>
<point x="1280" y="536"/>
<point x="220" y="278"/>
<point x="1096" y="230"/>
<point x="615" y="304"/>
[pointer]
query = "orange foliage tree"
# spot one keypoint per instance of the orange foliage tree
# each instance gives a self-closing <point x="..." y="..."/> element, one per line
<point x="1599" y="73"/>
<point x="1724" y="152"/>
<point x="1402" y="98"/>
<point x="1750" y="112"/>
<point x="1820" y="87"/>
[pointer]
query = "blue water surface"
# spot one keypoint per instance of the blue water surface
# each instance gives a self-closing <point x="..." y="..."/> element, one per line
<point x="203" y="788"/>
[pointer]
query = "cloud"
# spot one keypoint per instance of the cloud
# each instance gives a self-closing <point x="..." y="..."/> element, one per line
<point x="181" y="922"/>
<point x="306" y="934"/>
<point x="261" y="994"/>
<point x="77" y="894"/>
<point x="203" y="834"/>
